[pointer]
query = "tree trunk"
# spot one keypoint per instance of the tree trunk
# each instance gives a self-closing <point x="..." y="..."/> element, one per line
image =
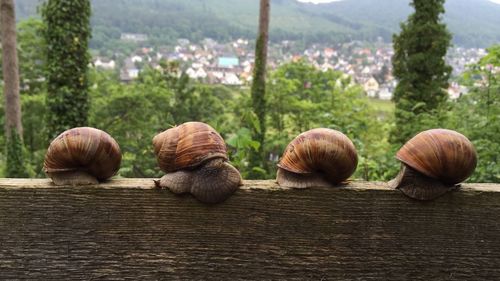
<point x="264" y="32"/>
<point x="13" y="126"/>
<point x="10" y="68"/>
<point x="257" y="158"/>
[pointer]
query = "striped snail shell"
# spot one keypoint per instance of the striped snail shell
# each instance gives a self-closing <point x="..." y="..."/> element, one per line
<point x="434" y="161"/>
<point x="194" y="157"/>
<point x="318" y="157"/>
<point x="82" y="155"/>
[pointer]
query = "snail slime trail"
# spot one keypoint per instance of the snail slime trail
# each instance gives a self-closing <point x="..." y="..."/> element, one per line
<point x="194" y="157"/>
<point x="82" y="156"/>
<point x="433" y="163"/>
<point x="317" y="158"/>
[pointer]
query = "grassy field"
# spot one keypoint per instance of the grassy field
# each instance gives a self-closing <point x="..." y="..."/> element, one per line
<point x="385" y="108"/>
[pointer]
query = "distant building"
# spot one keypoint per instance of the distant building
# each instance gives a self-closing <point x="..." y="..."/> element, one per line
<point x="134" y="37"/>
<point x="385" y="94"/>
<point x="183" y="42"/>
<point x="129" y="71"/>
<point x="371" y="87"/>
<point x="228" y="62"/>
<point x="104" y="63"/>
<point x="231" y="79"/>
<point x="456" y="90"/>
<point x="198" y="73"/>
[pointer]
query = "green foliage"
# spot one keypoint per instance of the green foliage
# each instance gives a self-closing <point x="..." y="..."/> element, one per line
<point x="67" y="35"/>
<point x="31" y="51"/>
<point x="15" y="163"/>
<point x="32" y="55"/>
<point x="492" y="58"/>
<point x="298" y="98"/>
<point x="132" y="115"/>
<point x="477" y="115"/>
<point x="34" y="131"/>
<point x="160" y="99"/>
<point x="421" y="70"/>
<point x="301" y="98"/>
<point x="241" y="143"/>
<point x="258" y="92"/>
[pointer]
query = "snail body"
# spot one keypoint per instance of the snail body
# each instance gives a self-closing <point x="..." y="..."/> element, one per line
<point x="433" y="162"/>
<point x="81" y="156"/>
<point x="194" y="157"/>
<point x="319" y="157"/>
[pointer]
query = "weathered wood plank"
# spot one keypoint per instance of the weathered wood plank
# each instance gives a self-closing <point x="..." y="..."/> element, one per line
<point x="128" y="230"/>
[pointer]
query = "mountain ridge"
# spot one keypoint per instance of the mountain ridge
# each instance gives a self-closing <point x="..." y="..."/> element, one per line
<point x="473" y="23"/>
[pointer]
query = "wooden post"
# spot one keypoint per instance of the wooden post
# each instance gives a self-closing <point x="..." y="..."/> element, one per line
<point x="127" y="229"/>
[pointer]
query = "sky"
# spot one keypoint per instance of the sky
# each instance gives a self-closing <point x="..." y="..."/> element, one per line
<point x="328" y="1"/>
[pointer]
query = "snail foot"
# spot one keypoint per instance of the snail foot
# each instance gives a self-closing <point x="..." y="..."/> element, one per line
<point x="418" y="186"/>
<point x="213" y="182"/>
<point x="72" y="178"/>
<point x="294" y="180"/>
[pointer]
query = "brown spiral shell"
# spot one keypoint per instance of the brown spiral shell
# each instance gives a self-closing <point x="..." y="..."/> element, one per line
<point x="325" y="151"/>
<point x="84" y="149"/>
<point x="445" y="155"/>
<point x="187" y="146"/>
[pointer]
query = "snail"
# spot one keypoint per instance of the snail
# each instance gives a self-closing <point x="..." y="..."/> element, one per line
<point x="319" y="157"/>
<point x="82" y="156"/>
<point x="194" y="157"/>
<point x="433" y="162"/>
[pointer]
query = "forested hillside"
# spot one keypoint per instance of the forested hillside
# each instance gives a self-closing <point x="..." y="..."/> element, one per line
<point x="473" y="22"/>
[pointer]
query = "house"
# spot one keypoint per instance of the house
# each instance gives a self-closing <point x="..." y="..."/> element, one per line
<point x="133" y="37"/>
<point x="231" y="79"/>
<point x="329" y="52"/>
<point x="183" y="42"/>
<point x="129" y="71"/>
<point x="198" y="73"/>
<point x="227" y="62"/>
<point x="456" y="90"/>
<point x="326" y="66"/>
<point x="371" y="87"/>
<point x="385" y="94"/>
<point x="136" y="58"/>
<point x="104" y="63"/>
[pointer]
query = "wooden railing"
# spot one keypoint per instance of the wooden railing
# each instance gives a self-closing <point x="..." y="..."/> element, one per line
<point x="127" y="229"/>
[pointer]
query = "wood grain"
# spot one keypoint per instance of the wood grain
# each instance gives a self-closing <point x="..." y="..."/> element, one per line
<point x="128" y="230"/>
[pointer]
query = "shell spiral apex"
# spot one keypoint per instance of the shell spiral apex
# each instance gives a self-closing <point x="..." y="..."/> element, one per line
<point x="83" y="149"/>
<point x="321" y="151"/>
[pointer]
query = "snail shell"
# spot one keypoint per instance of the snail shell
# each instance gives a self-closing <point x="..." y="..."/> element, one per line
<point x="318" y="157"/>
<point x="194" y="157"/>
<point x="82" y="155"/>
<point x="433" y="162"/>
<point x="187" y="146"/>
<point x="441" y="154"/>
